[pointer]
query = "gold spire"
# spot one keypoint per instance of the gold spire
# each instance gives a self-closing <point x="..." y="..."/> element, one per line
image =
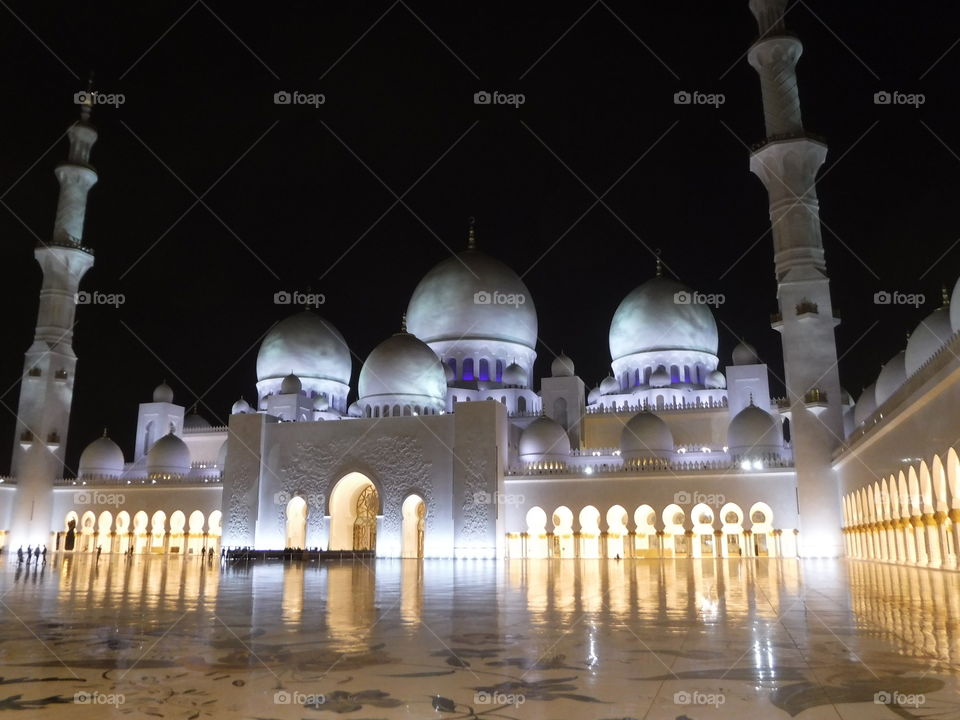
<point x="659" y="263"/>
<point x="403" y="323"/>
<point x="471" y="235"/>
<point x="944" y="296"/>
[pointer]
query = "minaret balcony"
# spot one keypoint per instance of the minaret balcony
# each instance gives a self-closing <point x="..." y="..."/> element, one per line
<point x="53" y="441"/>
<point x="26" y="439"/>
<point x="816" y="401"/>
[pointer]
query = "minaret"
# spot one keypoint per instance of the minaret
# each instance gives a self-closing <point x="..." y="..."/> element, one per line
<point x="46" y="389"/>
<point x="787" y="162"/>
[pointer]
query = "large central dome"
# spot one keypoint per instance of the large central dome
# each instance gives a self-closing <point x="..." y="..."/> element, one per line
<point x="306" y="345"/>
<point x="662" y="314"/>
<point x="472" y="296"/>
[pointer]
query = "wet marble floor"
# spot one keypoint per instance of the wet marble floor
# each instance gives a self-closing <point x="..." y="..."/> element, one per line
<point x="555" y="639"/>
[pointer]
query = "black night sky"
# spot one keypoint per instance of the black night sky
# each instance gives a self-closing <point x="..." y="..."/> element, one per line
<point x="287" y="192"/>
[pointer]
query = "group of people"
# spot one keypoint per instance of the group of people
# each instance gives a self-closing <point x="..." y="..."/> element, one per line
<point x="33" y="554"/>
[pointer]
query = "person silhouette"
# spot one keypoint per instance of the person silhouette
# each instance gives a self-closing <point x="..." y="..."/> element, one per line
<point x="99" y="550"/>
<point x="36" y="554"/>
<point x="44" y="554"/>
<point x="20" y="555"/>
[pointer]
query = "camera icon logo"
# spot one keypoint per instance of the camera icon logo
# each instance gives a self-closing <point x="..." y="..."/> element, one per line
<point x="882" y="298"/>
<point x="282" y="697"/>
<point x="682" y="297"/>
<point x="882" y="698"/>
<point x="82" y="498"/>
<point x="682" y="697"/>
<point x="682" y="98"/>
<point x="282" y="98"/>
<point x="882" y="98"/>
<point x="482" y="98"/>
<point x="482" y="297"/>
<point x="482" y="498"/>
<point x="281" y="498"/>
<point x="682" y="498"/>
<point x="282" y="297"/>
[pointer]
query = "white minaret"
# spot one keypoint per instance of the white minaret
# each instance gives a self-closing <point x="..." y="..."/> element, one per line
<point x="46" y="390"/>
<point x="787" y="162"/>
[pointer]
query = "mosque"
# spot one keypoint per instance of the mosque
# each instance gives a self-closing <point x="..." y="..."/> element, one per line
<point x="450" y="450"/>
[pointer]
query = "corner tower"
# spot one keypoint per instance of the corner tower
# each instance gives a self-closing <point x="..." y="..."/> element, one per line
<point x="787" y="162"/>
<point x="46" y="389"/>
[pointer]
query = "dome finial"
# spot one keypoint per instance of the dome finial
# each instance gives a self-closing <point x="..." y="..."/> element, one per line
<point x="944" y="296"/>
<point x="87" y="105"/>
<point x="751" y="398"/>
<point x="403" y="323"/>
<point x="659" y="263"/>
<point x="471" y="234"/>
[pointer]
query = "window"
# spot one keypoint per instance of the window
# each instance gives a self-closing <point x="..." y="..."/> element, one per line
<point x="499" y="370"/>
<point x="521" y="404"/>
<point x="484" y="369"/>
<point x="468" y="369"/>
<point x="452" y="362"/>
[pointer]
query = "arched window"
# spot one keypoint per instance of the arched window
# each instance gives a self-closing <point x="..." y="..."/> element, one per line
<point x="636" y="376"/>
<point x="484" y="369"/>
<point x="686" y="373"/>
<point x="452" y="362"/>
<point x="376" y="411"/>
<point x="468" y="369"/>
<point x="521" y="404"/>
<point x="647" y="372"/>
<point x="406" y="409"/>
<point x="396" y="411"/>
<point x="367" y="411"/>
<point x="499" y="370"/>
<point x="674" y="374"/>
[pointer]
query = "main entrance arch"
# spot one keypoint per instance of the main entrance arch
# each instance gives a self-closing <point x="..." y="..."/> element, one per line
<point x="354" y="506"/>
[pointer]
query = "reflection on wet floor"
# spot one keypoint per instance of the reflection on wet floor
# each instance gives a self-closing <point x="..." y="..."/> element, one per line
<point x="180" y="637"/>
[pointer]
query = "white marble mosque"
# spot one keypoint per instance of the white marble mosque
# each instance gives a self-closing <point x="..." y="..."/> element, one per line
<point x="451" y="450"/>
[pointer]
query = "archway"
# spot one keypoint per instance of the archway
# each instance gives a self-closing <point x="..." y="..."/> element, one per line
<point x="563" y="532"/>
<point x="195" y="538"/>
<point x="674" y="534"/>
<point x="731" y="516"/>
<point x="123" y="531"/>
<point x="354" y="507"/>
<point x="536" y="533"/>
<point x="158" y="527"/>
<point x="645" y="539"/>
<point x="414" y="511"/>
<point x="761" y="526"/>
<point x="141" y="539"/>
<point x="71" y="524"/>
<point x="87" y="528"/>
<point x="296" y="535"/>
<point x="617" y="519"/>
<point x="214" y="531"/>
<point x="177" y="522"/>
<point x="589" y="532"/>
<point x="104" y="535"/>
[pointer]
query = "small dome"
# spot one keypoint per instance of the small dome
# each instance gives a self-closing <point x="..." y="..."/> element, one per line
<point x="562" y="366"/>
<point x="715" y="380"/>
<point x="240" y="407"/>
<point x="101" y="457"/>
<point x="866" y="405"/>
<point x="195" y="421"/>
<point x="593" y="396"/>
<point x="403" y="365"/>
<point x="753" y="430"/>
<point x="168" y="456"/>
<point x="891" y="377"/>
<point x="609" y="386"/>
<point x="355" y="411"/>
<point x="544" y="440"/>
<point x="291" y="385"/>
<point x="745" y="354"/>
<point x="660" y="378"/>
<point x="928" y="337"/>
<point x="449" y="373"/>
<point x="163" y="393"/>
<point x="321" y="403"/>
<point x="646" y="436"/>
<point x="514" y="374"/>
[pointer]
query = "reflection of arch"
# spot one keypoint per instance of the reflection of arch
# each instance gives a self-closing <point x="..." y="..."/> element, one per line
<point x="414" y="512"/>
<point x="354" y="506"/>
<point x="296" y="513"/>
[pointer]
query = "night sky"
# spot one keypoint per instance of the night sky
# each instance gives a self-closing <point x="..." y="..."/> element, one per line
<point x="291" y="196"/>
